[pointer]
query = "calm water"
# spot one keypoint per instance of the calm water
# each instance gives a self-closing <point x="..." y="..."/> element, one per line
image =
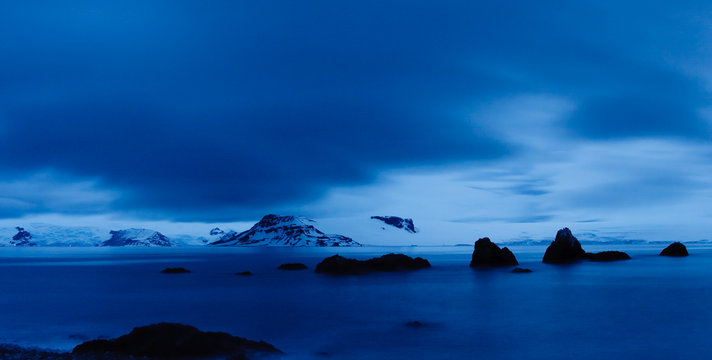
<point x="650" y="307"/>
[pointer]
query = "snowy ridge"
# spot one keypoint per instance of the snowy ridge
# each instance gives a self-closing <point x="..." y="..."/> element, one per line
<point x="137" y="237"/>
<point x="397" y="222"/>
<point x="274" y="230"/>
<point x="41" y="234"/>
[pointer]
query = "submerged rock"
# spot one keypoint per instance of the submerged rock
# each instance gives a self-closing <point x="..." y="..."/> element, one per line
<point x="340" y="265"/>
<point x="675" y="249"/>
<point x="292" y="266"/>
<point x="608" y="256"/>
<point x="171" y="341"/>
<point x="415" y="324"/>
<point x="488" y="253"/>
<point x="520" y="271"/>
<point x="565" y="249"/>
<point x="176" y="270"/>
<point x="244" y="273"/>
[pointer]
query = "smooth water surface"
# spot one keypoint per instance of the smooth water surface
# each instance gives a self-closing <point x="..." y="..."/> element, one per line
<point x="650" y="307"/>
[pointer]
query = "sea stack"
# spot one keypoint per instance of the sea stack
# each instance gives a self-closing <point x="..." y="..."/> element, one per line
<point x="565" y="249"/>
<point x="675" y="249"/>
<point x="488" y="254"/>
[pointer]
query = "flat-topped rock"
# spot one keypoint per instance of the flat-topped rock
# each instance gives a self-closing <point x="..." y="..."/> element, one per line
<point x="175" y="270"/>
<point x="564" y="249"/>
<point x="520" y="271"/>
<point x="174" y="341"/>
<point x="340" y="265"/>
<point x="292" y="266"/>
<point x="488" y="254"/>
<point x="675" y="249"/>
<point x="605" y="256"/>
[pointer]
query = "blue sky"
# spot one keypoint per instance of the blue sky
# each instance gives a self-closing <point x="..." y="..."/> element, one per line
<point x="503" y="114"/>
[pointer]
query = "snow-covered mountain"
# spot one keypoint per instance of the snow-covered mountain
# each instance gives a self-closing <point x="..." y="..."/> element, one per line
<point x="275" y="230"/>
<point x="41" y="234"/>
<point x="398" y="222"/>
<point x="137" y="237"/>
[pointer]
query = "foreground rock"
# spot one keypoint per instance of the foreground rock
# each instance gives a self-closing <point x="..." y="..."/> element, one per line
<point x="675" y="249"/>
<point x="176" y="270"/>
<point x="521" y="271"/>
<point x="488" y="254"/>
<point x="292" y="266"/>
<point x="244" y="273"/>
<point x="340" y="265"/>
<point x="175" y="341"/>
<point x="606" y="256"/>
<point x="565" y="249"/>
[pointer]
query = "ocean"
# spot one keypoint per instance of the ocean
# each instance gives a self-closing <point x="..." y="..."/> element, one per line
<point x="650" y="307"/>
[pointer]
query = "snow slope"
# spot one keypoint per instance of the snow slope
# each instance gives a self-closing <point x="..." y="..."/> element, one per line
<point x="274" y="230"/>
<point x="137" y="237"/>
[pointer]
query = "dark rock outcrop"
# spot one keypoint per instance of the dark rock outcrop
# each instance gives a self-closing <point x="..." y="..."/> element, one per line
<point x="488" y="254"/>
<point x="400" y="223"/>
<point x="675" y="249"/>
<point x="565" y="249"/>
<point x="22" y="238"/>
<point x="292" y="266"/>
<point x="175" y="270"/>
<point x="174" y="341"/>
<point x="520" y="271"/>
<point x="244" y="273"/>
<point x="339" y="265"/>
<point x="608" y="256"/>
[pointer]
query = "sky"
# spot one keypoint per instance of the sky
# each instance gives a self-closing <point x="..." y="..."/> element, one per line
<point x="507" y="117"/>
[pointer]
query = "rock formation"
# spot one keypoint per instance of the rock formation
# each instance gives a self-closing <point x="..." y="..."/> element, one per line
<point x="488" y="254"/>
<point x="675" y="249"/>
<point x="340" y="265"/>
<point x="565" y="249"/>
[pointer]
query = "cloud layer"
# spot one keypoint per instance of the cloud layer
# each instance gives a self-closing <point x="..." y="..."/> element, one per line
<point x="225" y="110"/>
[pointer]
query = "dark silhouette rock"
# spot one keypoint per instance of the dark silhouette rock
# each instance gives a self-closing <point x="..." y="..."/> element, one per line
<point x="340" y="265"/>
<point x="243" y="273"/>
<point x="608" y="256"/>
<point x="520" y="271"/>
<point x="398" y="222"/>
<point x="174" y="341"/>
<point x="22" y="238"/>
<point x="176" y="270"/>
<point x="675" y="249"/>
<point x="489" y="254"/>
<point x="292" y="266"/>
<point x="565" y="249"/>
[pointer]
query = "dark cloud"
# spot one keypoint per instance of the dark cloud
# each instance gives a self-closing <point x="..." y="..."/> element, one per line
<point x="198" y="110"/>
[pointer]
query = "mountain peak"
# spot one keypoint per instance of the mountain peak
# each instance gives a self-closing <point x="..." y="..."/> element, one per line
<point x="137" y="237"/>
<point x="398" y="222"/>
<point x="276" y="230"/>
